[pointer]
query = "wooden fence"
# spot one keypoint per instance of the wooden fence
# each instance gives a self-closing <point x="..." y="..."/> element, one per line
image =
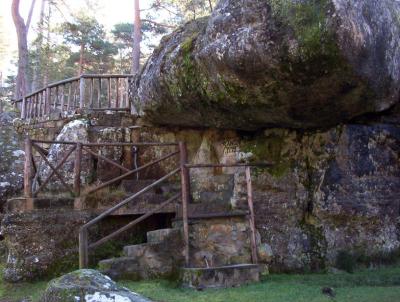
<point x="86" y="92"/>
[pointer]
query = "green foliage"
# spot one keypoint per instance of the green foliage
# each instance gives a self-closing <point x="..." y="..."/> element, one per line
<point x="95" y="52"/>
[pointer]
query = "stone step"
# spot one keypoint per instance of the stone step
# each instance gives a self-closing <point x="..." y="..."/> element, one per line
<point x="161" y="235"/>
<point x="144" y="261"/>
<point x="220" y="277"/>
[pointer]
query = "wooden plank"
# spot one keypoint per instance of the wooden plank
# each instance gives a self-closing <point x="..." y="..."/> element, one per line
<point x="55" y="100"/>
<point x="116" y="92"/>
<point x="28" y="169"/>
<point x="23" y="109"/>
<point x="77" y="170"/>
<point x="62" y="100"/>
<point x="197" y="166"/>
<point x="81" y="92"/>
<point x="69" y="97"/>
<point x="99" y="93"/>
<point x="83" y="248"/>
<point x="185" y="199"/>
<point x="48" y="98"/>
<point x="91" y="93"/>
<point x="109" y="92"/>
<point x="251" y="218"/>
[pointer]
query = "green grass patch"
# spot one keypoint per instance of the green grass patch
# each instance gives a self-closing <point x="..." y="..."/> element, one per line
<point x="381" y="285"/>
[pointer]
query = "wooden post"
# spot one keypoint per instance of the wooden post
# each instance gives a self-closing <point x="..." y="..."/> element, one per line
<point x="185" y="198"/>
<point x="69" y="96"/>
<point x="55" y="100"/>
<point x="81" y="92"/>
<point x="116" y="92"/>
<point x="28" y="169"/>
<point x="23" y="109"/>
<point x="251" y="219"/>
<point x="83" y="249"/>
<point x="91" y="92"/>
<point x="109" y="92"/>
<point x="77" y="169"/>
<point x="62" y="100"/>
<point x="48" y="100"/>
<point x="99" y="94"/>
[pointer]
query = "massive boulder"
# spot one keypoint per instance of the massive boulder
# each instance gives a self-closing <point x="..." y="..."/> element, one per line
<point x="285" y="63"/>
<point x="88" y="286"/>
<point x="11" y="159"/>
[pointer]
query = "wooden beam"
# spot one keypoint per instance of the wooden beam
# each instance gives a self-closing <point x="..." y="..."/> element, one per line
<point x="251" y="217"/>
<point x="185" y="181"/>
<point x="28" y="169"/>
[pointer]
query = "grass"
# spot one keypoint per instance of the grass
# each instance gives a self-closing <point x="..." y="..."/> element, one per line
<point x="381" y="285"/>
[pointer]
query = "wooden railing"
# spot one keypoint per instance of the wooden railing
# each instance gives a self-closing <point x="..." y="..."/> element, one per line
<point x="183" y="169"/>
<point x="32" y="168"/>
<point x="86" y="92"/>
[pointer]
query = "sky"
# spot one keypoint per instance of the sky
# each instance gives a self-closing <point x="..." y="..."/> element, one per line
<point x="110" y="12"/>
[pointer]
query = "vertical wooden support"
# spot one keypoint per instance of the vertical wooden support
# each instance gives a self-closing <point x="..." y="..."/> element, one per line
<point x="69" y="96"/>
<point x="77" y="170"/>
<point x="83" y="248"/>
<point x="109" y="92"/>
<point x="251" y="219"/>
<point x="55" y="100"/>
<point x="99" y="94"/>
<point x="116" y="92"/>
<point x="28" y="169"/>
<point x="28" y="108"/>
<point x="23" y="109"/>
<point x="127" y="93"/>
<point x="62" y="99"/>
<point x="48" y="100"/>
<point x="81" y="92"/>
<point x="91" y="93"/>
<point x="185" y="198"/>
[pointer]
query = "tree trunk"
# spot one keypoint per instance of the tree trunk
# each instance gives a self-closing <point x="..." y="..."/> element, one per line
<point x="81" y="59"/>
<point x="22" y="82"/>
<point x="137" y="37"/>
<point x="39" y="54"/>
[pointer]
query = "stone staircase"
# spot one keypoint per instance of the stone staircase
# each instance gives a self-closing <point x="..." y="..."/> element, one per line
<point x="159" y="257"/>
<point x="220" y="253"/>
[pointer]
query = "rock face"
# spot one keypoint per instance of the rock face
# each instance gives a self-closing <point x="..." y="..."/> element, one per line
<point x="88" y="286"/>
<point x="256" y="63"/>
<point x="38" y="243"/>
<point x="11" y="159"/>
<point x="328" y="191"/>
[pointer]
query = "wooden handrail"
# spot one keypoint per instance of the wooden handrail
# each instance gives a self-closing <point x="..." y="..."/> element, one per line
<point x="80" y="96"/>
<point x="134" y="222"/>
<point x="114" y="180"/>
<point x="83" y="232"/>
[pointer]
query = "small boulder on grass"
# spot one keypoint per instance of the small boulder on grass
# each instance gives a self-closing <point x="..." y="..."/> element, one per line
<point x="88" y="286"/>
